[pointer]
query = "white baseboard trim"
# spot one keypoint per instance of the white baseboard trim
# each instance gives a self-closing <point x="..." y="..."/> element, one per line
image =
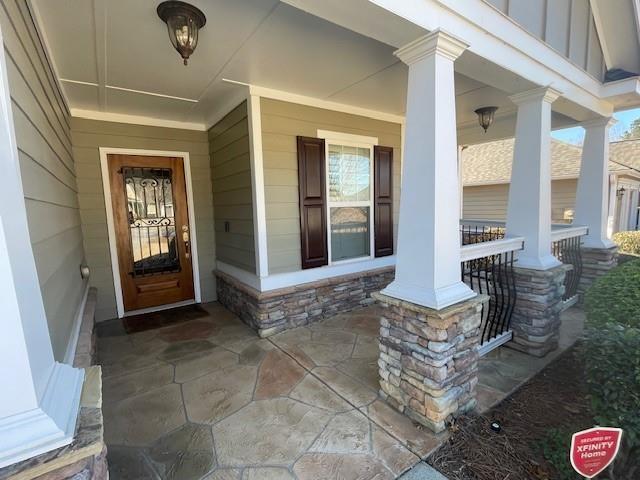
<point x="72" y="345"/>
<point x="276" y="281"/>
<point x="48" y="427"/>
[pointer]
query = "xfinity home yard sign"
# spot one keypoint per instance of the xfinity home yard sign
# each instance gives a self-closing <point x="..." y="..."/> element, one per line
<point x="594" y="449"/>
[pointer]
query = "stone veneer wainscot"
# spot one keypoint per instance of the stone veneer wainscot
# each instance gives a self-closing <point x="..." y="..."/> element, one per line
<point x="428" y="360"/>
<point x="277" y="310"/>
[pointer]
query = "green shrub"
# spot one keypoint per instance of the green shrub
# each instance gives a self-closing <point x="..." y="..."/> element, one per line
<point x="615" y="297"/>
<point x="612" y="363"/>
<point x="611" y="355"/>
<point x="628" y="242"/>
<point x="555" y="448"/>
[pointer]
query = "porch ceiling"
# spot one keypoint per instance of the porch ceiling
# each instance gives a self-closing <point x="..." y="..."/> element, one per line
<point x="113" y="56"/>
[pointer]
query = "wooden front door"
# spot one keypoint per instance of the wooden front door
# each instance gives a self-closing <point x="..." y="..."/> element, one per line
<point x="149" y="200"/>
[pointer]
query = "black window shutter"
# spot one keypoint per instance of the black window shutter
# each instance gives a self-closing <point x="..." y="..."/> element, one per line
<point x="313" y="218"/>
<point x="383" y="200"/>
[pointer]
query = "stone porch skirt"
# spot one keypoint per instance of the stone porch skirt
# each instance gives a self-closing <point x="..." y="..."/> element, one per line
<point x="277" y="310"/>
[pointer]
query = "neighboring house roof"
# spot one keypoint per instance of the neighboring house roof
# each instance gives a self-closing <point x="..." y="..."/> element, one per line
<point x="490" y="163"/>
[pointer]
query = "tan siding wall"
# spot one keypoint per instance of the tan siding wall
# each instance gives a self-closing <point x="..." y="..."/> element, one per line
<point x="232" y="197"/>
<point x="489" y="202"/>
<point x="563" y="197"/>
<point x="282" y="122"/>
<point x="88" y="136"/>
<point x="486" y="202"/>
<point x="48" y="177"/>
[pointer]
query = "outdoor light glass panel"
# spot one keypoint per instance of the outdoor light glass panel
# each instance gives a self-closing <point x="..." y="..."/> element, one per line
<point x="350" y="204"/>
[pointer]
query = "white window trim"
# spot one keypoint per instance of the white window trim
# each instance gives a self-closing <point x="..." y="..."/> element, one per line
<point x="349" y="140"/>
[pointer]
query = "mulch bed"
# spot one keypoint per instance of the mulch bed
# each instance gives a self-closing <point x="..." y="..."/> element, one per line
<point x="554" y="399"/>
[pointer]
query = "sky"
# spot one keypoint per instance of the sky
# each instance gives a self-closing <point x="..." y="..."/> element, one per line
<point x="575" y="135"/>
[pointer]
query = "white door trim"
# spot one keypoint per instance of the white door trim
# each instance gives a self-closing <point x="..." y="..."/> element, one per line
<point x="104" y="151"/>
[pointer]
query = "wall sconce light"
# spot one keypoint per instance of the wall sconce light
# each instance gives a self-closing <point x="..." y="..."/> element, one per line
<point x="620" y="191"/>
<point x="183" y="22"/>
<point x="485" y="116"/>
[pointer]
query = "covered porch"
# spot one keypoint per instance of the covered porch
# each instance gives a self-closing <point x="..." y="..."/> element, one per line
<point x="296" y="191"/>
<point x="198" y="394"/>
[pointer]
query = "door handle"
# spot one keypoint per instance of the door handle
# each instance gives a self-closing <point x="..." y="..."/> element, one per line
<point x="185" y="239"/>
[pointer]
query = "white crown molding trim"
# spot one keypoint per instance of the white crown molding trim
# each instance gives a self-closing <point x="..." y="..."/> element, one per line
<point x="136" y="120"/>
<point x="50" y="426"/>
<point x="72" y="345"/>
<point x="546" y="94"/>
<point x="437" y="42"/>
<point x="321" y="103"/>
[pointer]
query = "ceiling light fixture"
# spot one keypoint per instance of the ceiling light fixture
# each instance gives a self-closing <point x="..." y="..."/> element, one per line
<point x="485" y="116"/>
<point x="183" y="21"/>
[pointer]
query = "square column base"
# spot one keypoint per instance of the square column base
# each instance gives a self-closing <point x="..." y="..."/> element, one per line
<point x="536" y="315"/>
<point x="596" y="262"/>
<point x="428" y="359"/>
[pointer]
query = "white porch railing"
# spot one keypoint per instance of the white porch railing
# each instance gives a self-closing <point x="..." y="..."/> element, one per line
<point x="487" y="268"/>
<point x="566" y="241"/>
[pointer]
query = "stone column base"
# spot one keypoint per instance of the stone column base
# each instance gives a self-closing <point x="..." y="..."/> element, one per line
<point x="595" y="263"/>
<point x="536" y="315"/>
<point x="429" y="358"/>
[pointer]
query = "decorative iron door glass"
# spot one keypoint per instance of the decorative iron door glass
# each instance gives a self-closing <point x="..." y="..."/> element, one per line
<point x="151" y="229"/>
<point x="350" y="201"/>
<point x="152" y="223"/>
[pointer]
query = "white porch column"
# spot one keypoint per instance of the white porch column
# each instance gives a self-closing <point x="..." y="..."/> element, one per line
<point x="428" y="252"/>
<point x="40" y="398"/>
<point x="529" y="208"/>
<point x="592" y="196"/>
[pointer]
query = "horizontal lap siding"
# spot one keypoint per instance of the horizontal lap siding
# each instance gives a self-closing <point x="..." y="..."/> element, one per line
<point x="486" y="202"/>
<point x="563" y="197"/>
<point x="232" y="192"/>
<point x="43" y="138"/>
<point x="282" y="122"/>
<point x="88" y="136"/>
<point x="489" y="202"/>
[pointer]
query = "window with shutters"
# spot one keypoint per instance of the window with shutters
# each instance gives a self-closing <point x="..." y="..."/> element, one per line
<point x="349" y="210"/>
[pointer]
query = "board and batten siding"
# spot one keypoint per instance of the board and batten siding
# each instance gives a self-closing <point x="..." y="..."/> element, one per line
<point x="232" y="191"/>
<point x="566" y="25"/>
<point x="282" y="122"/>
<point x="489" y="202"/>
<point x="43" y="138"/>
<point x="87" y="138"/>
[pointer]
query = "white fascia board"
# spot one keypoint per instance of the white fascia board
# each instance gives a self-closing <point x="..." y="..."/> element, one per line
<point x="496" y="37"/>
<point x="620" y="88"/>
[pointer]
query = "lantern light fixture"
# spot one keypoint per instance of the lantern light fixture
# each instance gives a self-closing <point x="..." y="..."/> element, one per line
<point x="183" y="22"/>
<point x="620" y="191"/>
<point x="485" y="116"/>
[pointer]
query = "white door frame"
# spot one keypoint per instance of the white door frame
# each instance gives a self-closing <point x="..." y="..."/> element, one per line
<point x="104" y="165"/>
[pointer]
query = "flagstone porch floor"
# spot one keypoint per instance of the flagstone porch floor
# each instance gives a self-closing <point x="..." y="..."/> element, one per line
<point x="207" y="399"/>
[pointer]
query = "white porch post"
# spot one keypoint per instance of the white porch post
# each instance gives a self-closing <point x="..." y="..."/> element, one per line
<point x="529" y="208"/>
<point x="40" y="398"/>
<point x="592" y="196"/>
<point x="428" y="253"/>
